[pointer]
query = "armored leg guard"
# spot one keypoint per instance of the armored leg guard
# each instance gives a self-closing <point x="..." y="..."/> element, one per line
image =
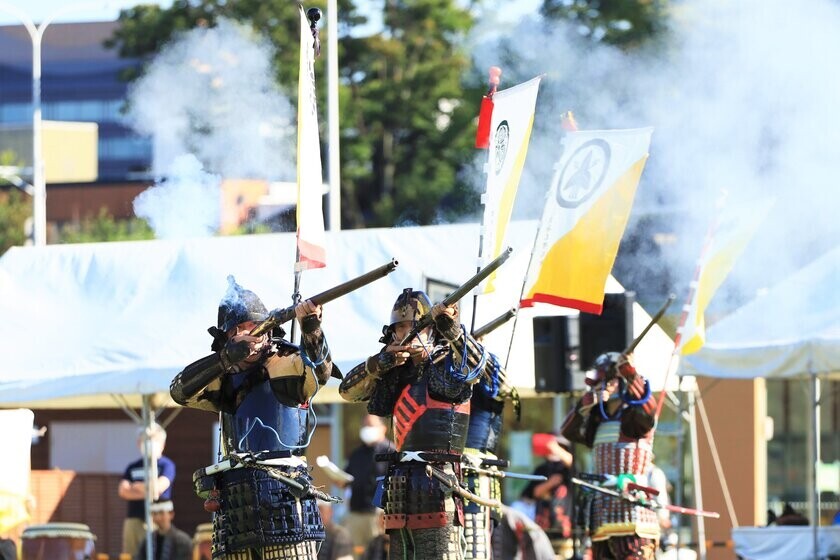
<point x="439" y="543"/>
<point x="262" y="515"/>
<point x="299" y="551"/>
<point x="477" y="535"/>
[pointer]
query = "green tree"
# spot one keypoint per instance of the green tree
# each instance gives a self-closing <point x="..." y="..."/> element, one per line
<point x="103" y="227"/>
<point x="15" y="207"/>
<point x="406" y="120"/>
<point x="627" y="23"/>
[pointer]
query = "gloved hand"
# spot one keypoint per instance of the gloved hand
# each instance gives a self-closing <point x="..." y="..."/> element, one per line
<point x="447" y="320"/>
<point x="626" y="369"/>
<point x="309" y="316"/>
<point x="391" y="356"/>
<point x="241" y="351"/>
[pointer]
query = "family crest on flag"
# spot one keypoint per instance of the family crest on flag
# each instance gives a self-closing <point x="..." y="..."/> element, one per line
<point x="311" y="239"/>
<point x="585" y="214"/>
<point x="511" y="122"/>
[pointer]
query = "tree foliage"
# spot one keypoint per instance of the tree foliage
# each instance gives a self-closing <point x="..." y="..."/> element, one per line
<point x="627" y="23"/>
<point x="15" y="207"/>
<point x="405" y="117"/>
<point x="103" y="227"/>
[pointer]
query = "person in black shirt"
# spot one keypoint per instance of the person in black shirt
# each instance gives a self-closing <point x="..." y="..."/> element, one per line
<point x="168" y="542"/>
<point x="362" y="517"/>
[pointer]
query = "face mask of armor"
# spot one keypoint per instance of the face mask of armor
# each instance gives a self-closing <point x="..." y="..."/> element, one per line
<point x="369" y="434"/>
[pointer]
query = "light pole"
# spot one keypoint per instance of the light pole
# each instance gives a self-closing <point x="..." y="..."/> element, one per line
<point x="36" y="33"/>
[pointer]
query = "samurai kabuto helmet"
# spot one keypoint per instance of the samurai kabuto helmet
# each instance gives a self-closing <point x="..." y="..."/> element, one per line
<point x="411" y="305"/>
<point x="605" y="368"/>
<point x="238" y="306"/>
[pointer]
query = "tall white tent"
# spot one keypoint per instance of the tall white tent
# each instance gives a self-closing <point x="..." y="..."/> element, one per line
<point x="84" y="322"/>
<point x="793" y="330"/>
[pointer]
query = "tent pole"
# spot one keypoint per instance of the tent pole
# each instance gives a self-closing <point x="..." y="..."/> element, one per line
<point x="679" y="491"/>
<point x="695" y="467"/>
<point x="150" y="469"/>
<point x="815" y="458"/>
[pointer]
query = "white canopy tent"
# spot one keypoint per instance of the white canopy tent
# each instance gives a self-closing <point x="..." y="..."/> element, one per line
<point x="105" y="324"/>
<point x="85" y="322"/>
<point x="791" y="331"/>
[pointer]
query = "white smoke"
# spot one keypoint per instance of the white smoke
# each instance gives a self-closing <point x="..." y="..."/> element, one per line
<point x="211" y="93"/>
<point x="186" y="204"/>
<point x="742" y="97"/>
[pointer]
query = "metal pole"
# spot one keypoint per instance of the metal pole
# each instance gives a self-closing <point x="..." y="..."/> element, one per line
<point x="39" y="184"/>
<point x="695" y="464"/>
<point x="39" y="213"/>
<point x="333" y="159"/>
<point x="150" y="470"/>
<point x="679" y="491"/>
<point x="815" y="458"/>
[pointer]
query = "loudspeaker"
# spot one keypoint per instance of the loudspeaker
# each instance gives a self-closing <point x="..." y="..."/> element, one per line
<point x="611" y="331"/>
<point x="556" y="351"/>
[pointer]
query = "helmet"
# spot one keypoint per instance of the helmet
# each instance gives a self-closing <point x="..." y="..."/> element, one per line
<point x="605" y="368"/>
<point x="238" y="306"/>
<point x="411" y="305"/>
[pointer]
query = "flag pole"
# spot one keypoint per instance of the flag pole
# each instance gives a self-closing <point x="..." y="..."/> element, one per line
<point x="482" y="139"/>
<point x="313" y="15"/>
<point x="692" y="293"/>
<point x="568" y="123"/>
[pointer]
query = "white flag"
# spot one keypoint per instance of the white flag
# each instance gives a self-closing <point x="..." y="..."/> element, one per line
<point x="510" y="132"/>
<point x="310" y="217"/>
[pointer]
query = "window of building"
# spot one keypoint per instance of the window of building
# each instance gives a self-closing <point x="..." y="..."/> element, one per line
<point x="126" y="147"/>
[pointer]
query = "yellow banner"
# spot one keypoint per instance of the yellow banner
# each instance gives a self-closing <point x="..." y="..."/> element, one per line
<point x="728" y="241"/>
<point x="585" y="216"/>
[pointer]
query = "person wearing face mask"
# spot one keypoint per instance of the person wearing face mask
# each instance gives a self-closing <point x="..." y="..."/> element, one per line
<point x="362" y="519"/>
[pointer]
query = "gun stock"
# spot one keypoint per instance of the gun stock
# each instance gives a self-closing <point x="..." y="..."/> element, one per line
<point x="461" y="291"/>
<point x="286" y="314"/>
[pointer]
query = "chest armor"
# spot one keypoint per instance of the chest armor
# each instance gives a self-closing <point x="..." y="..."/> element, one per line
<point x="262" y="423"/>
<point x="615" y="453"/>
<point x="422" y="423"/>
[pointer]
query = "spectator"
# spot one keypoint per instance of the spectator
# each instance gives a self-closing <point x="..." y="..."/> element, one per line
<point x="8" y="550"/>
<point x="168" y="542"/>
<point x="362" y="519"/>
<point x="519" y="538"/>
<point x="553" y="497"/>
<point x="337" y="544"/>
<point x="791" y="517"/>
<point x="132" y="488"/>
<point x="379" y="548"/>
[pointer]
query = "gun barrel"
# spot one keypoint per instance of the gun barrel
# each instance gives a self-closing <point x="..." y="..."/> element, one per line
<point x="486" y="329"/>
<point x="461" y="291"/>
<point x="286" y="314"/>
<point x="653" y="321"/>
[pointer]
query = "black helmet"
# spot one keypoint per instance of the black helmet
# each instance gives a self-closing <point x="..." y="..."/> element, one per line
<point x="411" y="305"/>
<point x="238" y="306"/>
<point x="605" y="368"/>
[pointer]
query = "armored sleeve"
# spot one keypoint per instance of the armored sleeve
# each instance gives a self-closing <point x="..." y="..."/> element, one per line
<point x="199" y="385"/>
<point x="314" y="345"/>
<point x="638" y="417"/>
<point x="462" y="344"/>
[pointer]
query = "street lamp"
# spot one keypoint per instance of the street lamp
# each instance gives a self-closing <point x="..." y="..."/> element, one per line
<point x="36" y="33"/>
